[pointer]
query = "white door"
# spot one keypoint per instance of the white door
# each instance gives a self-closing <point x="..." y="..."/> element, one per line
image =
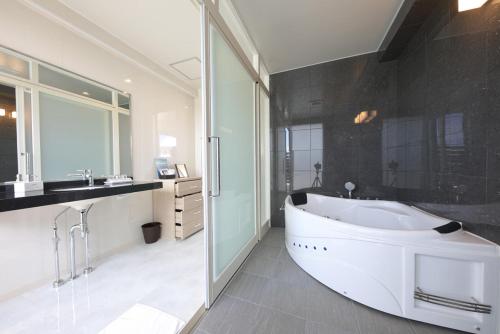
<point x="229" y="160"/>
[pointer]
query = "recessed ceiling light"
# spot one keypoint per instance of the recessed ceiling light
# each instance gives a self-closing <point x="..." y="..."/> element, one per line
<point x="128" y="80"/>
<point x="14" y="114"/>
<point x="464" y="5"/>
<point x="86" y="93"/>
<point x="2" y="112"/>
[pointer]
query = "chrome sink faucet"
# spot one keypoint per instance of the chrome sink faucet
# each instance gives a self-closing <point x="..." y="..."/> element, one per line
<point x="85" y="174"/>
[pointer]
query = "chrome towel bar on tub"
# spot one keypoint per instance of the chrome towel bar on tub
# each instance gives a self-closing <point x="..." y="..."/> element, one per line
<point x="473" y="306"/>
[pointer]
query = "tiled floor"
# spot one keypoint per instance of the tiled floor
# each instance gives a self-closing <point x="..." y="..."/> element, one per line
<point x="167" y="275"/>
<point x="272" y="295"/>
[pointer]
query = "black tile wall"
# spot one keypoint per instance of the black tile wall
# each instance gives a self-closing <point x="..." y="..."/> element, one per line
<point x="422" y="128"/>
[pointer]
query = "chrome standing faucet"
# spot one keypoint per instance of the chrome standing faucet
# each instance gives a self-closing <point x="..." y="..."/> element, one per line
<point x="58" y="281"/>
<point x="85" y="174"/>
<point x="84" y="233"/>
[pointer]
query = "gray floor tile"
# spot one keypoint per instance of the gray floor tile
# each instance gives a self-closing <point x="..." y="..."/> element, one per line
<point x="198" y="331"/>
<point x="212" y="322"/>
<point x="261" y="266"/>
<point x="248" y="287"/>
<point x="375" y="322"/>
<point x="275" y="237"/>
<point x="268" y="252"/>
<point x="276" y="231"/>
<point x="275" y="322"/>
<point x="285" y="297"/>
<point x="289" y="272"/>
<point x="423" y="328"/>
<point x="330" y="308"/>
<point x="230" y="315"/>
<point x="321" y="328"/>
<point x="273" y="295"/>
<point x="285" y="257"/>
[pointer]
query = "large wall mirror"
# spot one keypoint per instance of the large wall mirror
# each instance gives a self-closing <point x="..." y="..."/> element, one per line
<point x="53" y="122"/>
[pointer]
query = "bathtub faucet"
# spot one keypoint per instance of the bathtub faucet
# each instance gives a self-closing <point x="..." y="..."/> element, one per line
<point x="349" y="186"/>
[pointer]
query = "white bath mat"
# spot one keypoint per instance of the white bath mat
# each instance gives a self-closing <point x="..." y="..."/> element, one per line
<point x="142" y="319"/>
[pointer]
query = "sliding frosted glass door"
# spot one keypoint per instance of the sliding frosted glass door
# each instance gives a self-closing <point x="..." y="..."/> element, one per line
<point x="230" y="162"/>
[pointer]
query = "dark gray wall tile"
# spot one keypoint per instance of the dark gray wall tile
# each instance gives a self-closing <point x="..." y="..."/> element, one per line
<point x="433" y="138"/>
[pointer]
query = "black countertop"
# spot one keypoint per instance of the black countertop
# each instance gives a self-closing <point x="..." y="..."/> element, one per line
<point x="10" y="201"/>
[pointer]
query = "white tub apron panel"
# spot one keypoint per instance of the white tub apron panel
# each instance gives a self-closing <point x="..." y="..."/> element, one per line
<point x="391" y="257"/>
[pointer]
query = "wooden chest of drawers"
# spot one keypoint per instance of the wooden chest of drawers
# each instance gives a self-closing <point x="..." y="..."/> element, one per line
<point x="189" y="202"/>
<point x="183" y="188"/>
<point x="179" y="207"/>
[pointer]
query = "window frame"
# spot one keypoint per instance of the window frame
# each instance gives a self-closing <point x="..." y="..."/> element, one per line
<point x="33" y="85"/>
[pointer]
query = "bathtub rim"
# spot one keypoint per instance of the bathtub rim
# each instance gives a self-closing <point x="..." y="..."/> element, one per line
<point x="427" y="232"/>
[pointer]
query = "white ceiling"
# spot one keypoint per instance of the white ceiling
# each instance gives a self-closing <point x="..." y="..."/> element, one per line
<point x="287" y="33"/>
<point x="296" y="33"/>
<point x="165" y="31"/>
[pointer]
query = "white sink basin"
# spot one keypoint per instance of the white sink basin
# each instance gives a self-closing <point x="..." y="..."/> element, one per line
<point x="86" y="203"/>
<point x="83" y="204"/>
<point x="79" y="188"/>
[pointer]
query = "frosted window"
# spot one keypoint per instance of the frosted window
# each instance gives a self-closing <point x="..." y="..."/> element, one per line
<point x="124" y="101"/>
<point x="454" y="130"/>
<point x="125" y="144"/>
<point x="13" y="65"/>
<point x="74" y="136"/>
<point x="50" y="77"/>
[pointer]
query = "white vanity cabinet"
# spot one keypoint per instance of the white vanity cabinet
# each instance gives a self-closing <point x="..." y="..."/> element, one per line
<point x="179" y="207"/>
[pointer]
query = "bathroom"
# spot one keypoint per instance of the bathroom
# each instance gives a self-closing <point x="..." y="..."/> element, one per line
<point x="231" y="166"/>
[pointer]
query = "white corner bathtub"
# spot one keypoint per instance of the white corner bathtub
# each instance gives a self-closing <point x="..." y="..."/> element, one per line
<point x="397" y="259"/>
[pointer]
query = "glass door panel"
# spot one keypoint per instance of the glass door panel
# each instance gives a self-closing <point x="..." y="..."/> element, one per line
<point x="232" y="167"/>
<point x="265" y="160"/>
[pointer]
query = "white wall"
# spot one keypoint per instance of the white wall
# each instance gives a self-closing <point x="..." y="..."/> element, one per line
<point x="28" y="32"/>
<point x="26" y="250"/>
<point x="198" y="134"/>
<point x="180" y="125"/>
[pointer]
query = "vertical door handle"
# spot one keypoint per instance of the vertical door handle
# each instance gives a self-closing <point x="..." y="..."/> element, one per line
<point x="216" y="193"/>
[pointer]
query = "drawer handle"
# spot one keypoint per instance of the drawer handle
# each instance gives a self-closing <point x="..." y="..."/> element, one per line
<point x="198" y="200"/>
<point x="197" y="225"/>
<point x="196" y="213"/>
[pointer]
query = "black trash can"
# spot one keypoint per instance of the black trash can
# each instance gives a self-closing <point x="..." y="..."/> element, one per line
<point x="151" y="232"/>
